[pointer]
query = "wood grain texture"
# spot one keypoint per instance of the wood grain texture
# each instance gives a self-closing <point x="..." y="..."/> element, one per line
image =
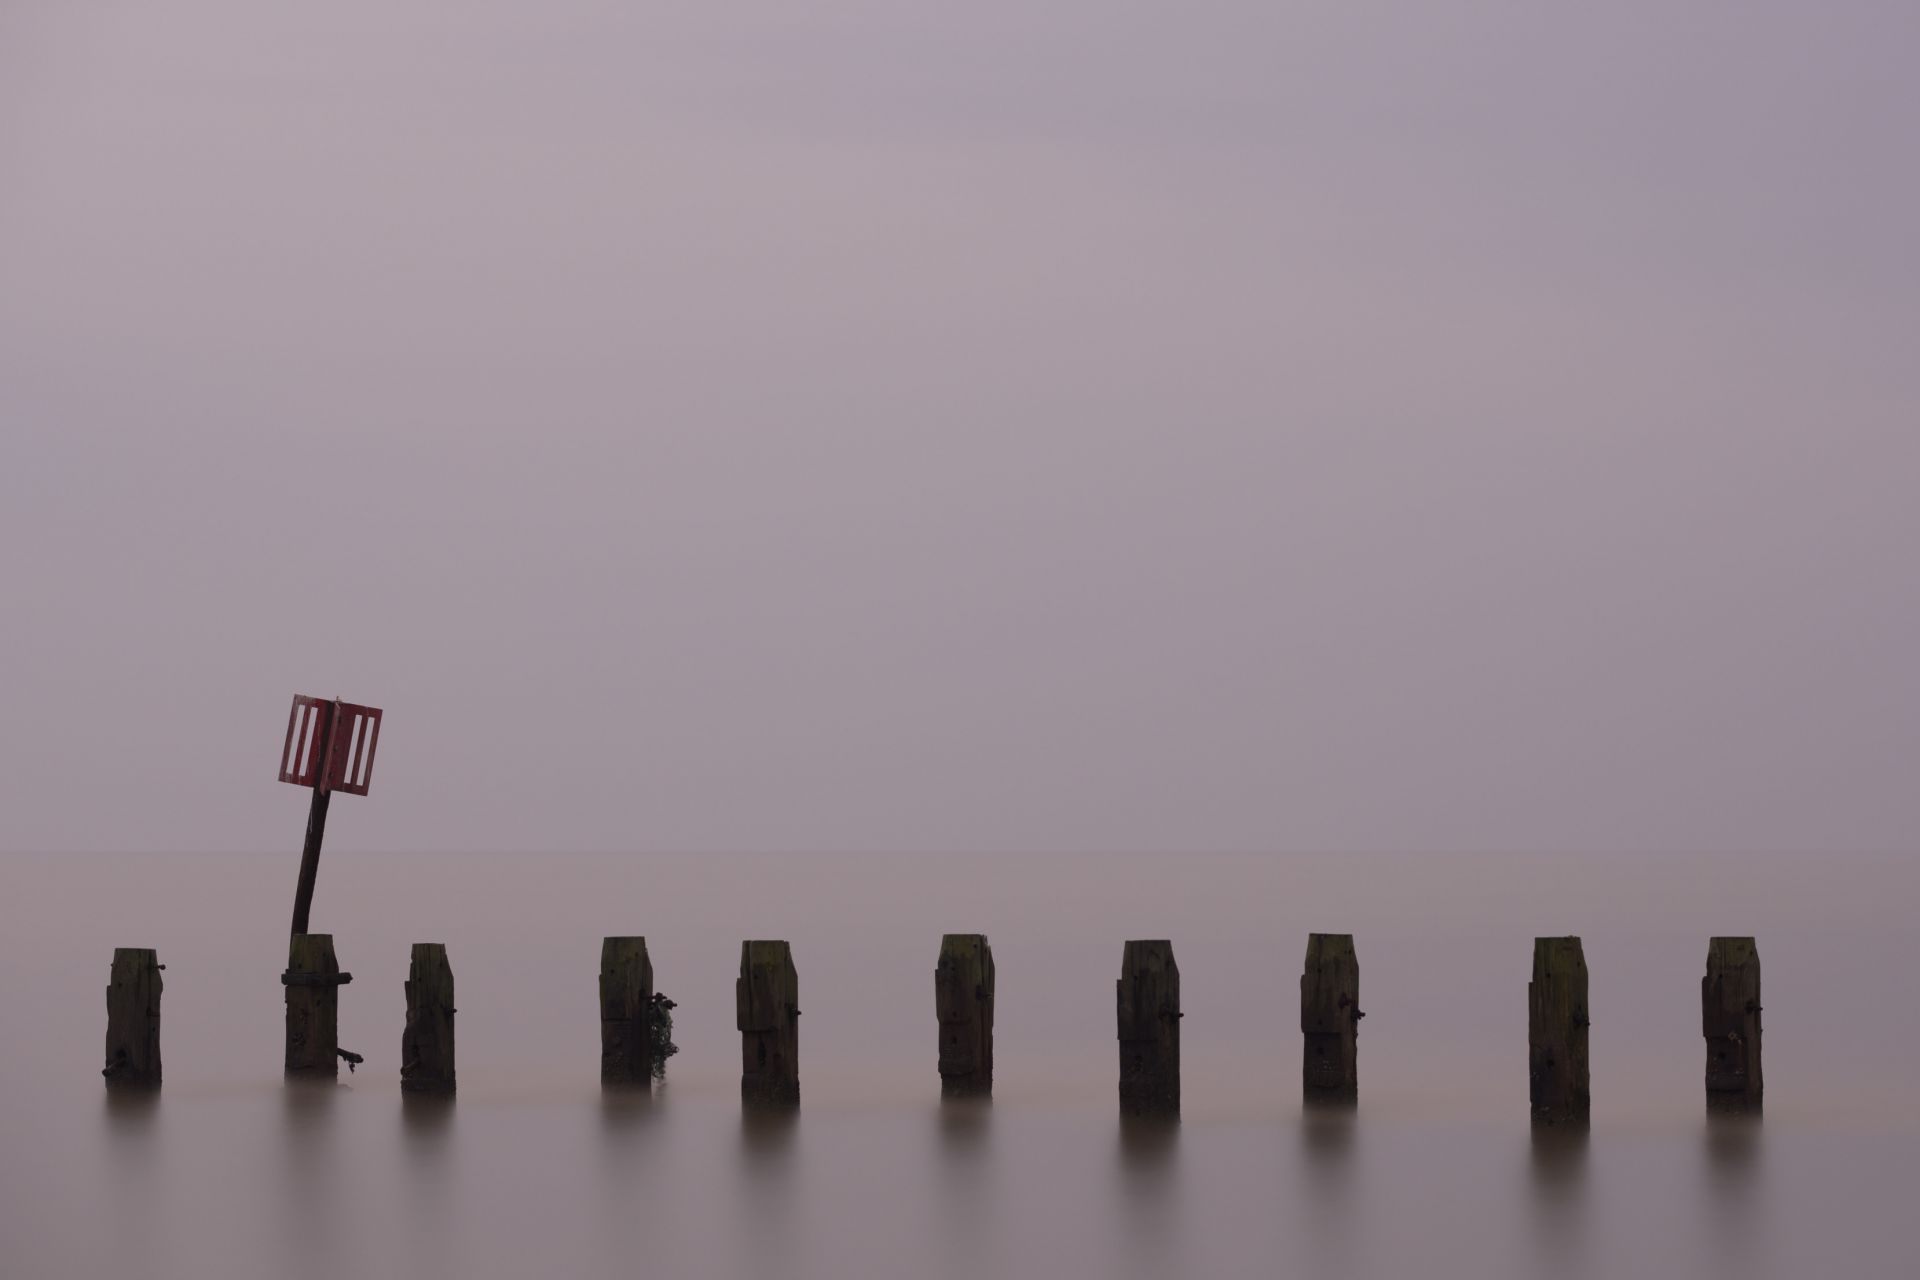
<point x="963" y="1007"/>
<point x="767" y="1011"/>
<point x="426" y="1045"/>
<point x="1730" y="1021"/>
<point x="1557" y="1020"/>
<point x="133" y="1019"/>
<point x="1147" y="1019"/>
<point x="626" y="1008"/>
<point x="1330" y="1019"/>
<point x="313" y="980"/>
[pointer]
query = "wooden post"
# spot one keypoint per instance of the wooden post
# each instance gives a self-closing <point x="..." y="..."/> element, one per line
<point x="313" y="981"/>
<point x="1730" y="1020"/>
<point x="963" y="1004"/>
<point x="133" y="1019"/>
<point x="626" y="1006"/>
<point x="767" y="1009"/>
<point x="1557" y="1034"/>
<point x="1147" y="1008"/>
<point x="426" y="1046"/>
<point x="1330" y="1019"/>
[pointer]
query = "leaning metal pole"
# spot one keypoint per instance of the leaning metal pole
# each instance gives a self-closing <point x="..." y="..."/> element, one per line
<point x="316" y="816"/>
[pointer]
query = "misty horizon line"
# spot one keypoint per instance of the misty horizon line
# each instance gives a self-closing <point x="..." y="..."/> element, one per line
<point x="1056" y="852"/>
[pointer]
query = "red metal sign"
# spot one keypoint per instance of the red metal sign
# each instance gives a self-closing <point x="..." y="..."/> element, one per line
<point x="356" y="732"/>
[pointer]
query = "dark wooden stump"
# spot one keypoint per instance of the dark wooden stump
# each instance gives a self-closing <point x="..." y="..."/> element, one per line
<point x="1147" y="1013"/>
<point x="133" y="1019"/>
<point x="767" y="1008"/>
<point x="1557" y="1034"/>
<point x="626" y="1008"/>
<point x="963" y="1004"/>
<point x="1730" y="1020"/>
<point x="426" y="1046"/>
<point x="313" y="981"/>
<point x="1330" y="1019"/>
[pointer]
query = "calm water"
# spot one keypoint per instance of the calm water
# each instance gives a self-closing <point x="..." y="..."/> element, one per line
<point x="531" y="1172"/>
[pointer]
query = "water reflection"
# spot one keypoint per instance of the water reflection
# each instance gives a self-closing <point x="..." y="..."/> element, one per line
<point x="426" y="1116"/>
<point x="625" y="1112"/>
<point x="964" y="1124"/>
<point x="626" y="1117"/>
<point x="135" y="1164"/>
<point x="1148" y="1145"/>
<point x="130" y="1112"/>
<point x="1150" y="1191"/>
<point x="315" y="1192"/>
<point x="766" y="1136"/>
<point x="1326" y="1149"/>
<point x="964" y="1178"/>
<point x="627" y="1124"/>
<point x="1326" y="1132"/>
<point x="429" y="1187"/>
<point x="767" y="1222"/>
<point x="305" y="1106"/>
<point x="1736" y="1190"/>
<point x="1733" y="1150"/>
<point x="1557" y="1167"/>
<point x="426" y="1121"/>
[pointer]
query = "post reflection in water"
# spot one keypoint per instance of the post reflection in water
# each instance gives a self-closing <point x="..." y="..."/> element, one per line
<point x="426" y="1119"/>
<point x="135" y="1169"/>
<point x="628" y="1137"/>
<point x="1149" y="1149"/>
<point x="1736" y="1190"/>
<point x="624" y="1114"/>
<point x="429" y="1185"/>
<point x="627" y="1119"/>
<point x="1326" y="1153"/>
<point x="1557" y="1168"/>
<point x="766" y="1139"/>
<point x="768" y="1223"/>
<point x="964" y="1169"/>
<point x="130" y="1115"/>
<point x="964" y="1124"/>
<point x="310" y="1213"/>
<point x="1733" y="1154"/>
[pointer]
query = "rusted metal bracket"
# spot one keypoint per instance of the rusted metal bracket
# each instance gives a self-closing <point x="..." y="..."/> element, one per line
<point x="315" y="979"/>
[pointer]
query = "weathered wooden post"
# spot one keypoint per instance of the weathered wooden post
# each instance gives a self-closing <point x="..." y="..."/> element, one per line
<point x="1330" y="1019"/>
<point x="1147" y="1014"/>
<point x="426" y="1045"/>
<point x="1730" y="1020"/>
<point x="963" y="1005"/>
<point x="626" y="1006"/>
<point x="1557" y="1034"/>
<point x="767" y="1009"/>
<point x="133" y="1019"/>
<point x="313" y="981"/>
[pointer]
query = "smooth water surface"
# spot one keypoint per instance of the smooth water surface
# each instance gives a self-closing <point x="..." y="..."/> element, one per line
<point x="532" y="1172"/>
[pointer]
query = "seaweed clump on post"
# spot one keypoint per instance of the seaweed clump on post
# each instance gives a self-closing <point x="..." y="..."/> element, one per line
<point x="660" y="1045"/>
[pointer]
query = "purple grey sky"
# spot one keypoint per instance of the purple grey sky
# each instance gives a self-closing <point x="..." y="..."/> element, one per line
<point x="861" y="425"/>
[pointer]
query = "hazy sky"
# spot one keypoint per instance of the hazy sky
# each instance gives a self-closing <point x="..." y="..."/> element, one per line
<point x="924" y="426"/>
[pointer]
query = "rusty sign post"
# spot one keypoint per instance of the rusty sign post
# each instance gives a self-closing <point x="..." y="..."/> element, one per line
<point x="329" y="747"/>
